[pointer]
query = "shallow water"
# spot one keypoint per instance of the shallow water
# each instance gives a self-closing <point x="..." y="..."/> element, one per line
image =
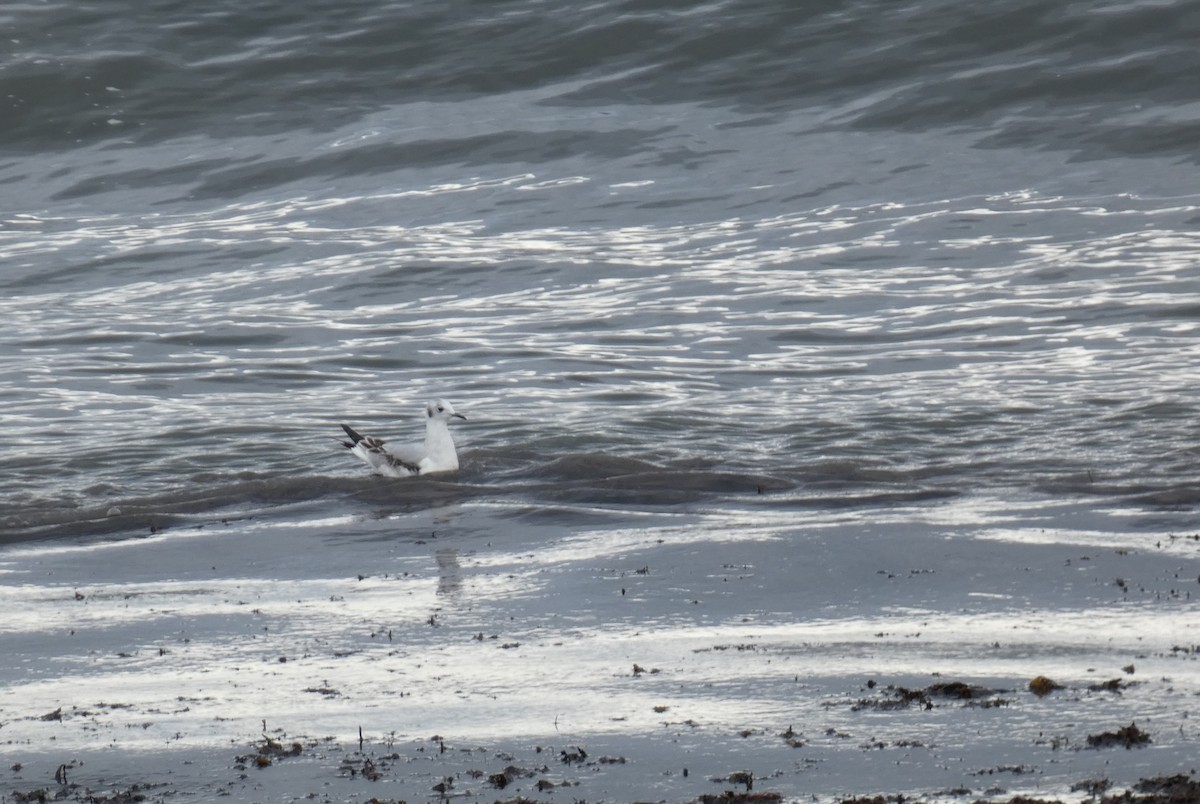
<point x="726" y="347"/>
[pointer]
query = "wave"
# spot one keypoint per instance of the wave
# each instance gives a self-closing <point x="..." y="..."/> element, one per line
<point x="1023" y="72"/>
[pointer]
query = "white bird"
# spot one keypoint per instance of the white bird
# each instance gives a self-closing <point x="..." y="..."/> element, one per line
<point x="435" y="455"/>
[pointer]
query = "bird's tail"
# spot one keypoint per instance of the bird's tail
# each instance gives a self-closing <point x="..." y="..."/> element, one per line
<point x="354" y="437"/>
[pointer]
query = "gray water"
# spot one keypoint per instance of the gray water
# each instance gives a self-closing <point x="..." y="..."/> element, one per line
<point x="934" y="347"/>
<point x="868" y="248"/>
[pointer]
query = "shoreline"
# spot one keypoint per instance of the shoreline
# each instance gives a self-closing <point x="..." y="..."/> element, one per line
<point x="284" y="768"/>
<point x="886" y="653"/>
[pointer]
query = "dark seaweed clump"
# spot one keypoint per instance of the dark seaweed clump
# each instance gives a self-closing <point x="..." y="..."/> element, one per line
<point x="1127" y="736"/>
<point x="904" y="697"/>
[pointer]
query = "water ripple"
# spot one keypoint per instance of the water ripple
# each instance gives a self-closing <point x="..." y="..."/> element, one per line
<point x="858" y="332"/>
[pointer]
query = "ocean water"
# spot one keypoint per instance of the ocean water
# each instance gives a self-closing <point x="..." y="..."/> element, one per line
<point x="755" y="265"/>
<point x="874" y="247"/>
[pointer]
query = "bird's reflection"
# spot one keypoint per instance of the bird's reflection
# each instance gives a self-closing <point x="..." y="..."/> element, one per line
<point x="449" y="571"/>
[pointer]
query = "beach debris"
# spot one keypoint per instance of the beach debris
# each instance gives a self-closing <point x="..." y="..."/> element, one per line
<point x="904" y="697"/>
<point x="1057" y="742"/>
<point x="505" y="777"/>
<point x="368" y="768"/>
<point x="739" y="777"/>
<point x="55" y="715"/>
<point x="1112" y="685"/>
<point x="734" y="797"/>
<point x="957" y="689"/>
<point x="1178" y="789"/>
<point x="268" y="751"/>
<point x="572" y="754"/>
<point x="1041" y="686"/>
<point x="900" y="698"/>
<point x="1128" y="736"/>
<point x="1016" y="770"/>
<point x="328" y="692"/>
<point x="131" y="796"/>
<point x="1170" y="788"/>
<point x="793" y="738"/>
<point x="1093" y="787"/>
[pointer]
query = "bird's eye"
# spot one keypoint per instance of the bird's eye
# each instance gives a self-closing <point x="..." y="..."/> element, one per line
<point x="441" y="409"/>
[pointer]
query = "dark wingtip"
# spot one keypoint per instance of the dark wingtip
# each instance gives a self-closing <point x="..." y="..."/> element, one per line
<point x="354" y="437"/>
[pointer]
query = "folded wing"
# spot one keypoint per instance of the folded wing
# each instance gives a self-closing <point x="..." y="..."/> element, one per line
<point x="394" y="462"/>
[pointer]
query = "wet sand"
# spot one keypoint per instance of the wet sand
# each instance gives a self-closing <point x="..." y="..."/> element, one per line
<point x="959" y="650"/>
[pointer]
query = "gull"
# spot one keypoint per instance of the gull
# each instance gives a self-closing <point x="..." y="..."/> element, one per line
<point x="435" y="455"/>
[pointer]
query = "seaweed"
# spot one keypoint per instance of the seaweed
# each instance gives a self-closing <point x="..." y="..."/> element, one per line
<point x="1128" y="736"/>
